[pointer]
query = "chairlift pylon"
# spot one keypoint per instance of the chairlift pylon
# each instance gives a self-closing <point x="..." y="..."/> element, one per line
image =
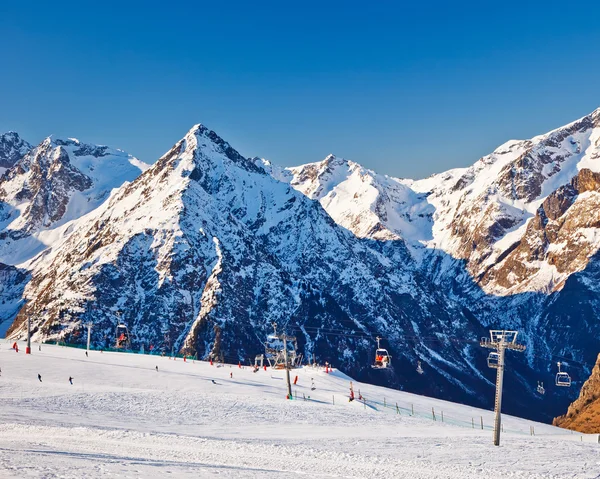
<point x="275" y="353"/>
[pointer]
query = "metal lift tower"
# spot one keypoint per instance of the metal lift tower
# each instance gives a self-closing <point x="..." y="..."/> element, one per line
<point x="500" y="340"/>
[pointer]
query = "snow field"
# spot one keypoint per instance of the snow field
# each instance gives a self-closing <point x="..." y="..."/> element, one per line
<point x="122" y="418"/>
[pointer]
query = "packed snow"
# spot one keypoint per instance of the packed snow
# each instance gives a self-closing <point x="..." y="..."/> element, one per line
<point x="122" y="417"/>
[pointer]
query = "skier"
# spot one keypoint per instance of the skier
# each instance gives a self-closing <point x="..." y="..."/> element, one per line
<point x="40" y="347"/>
<point x="351" y="393"/>
<point x="312" y="384"/>
<point x="86" y="355"/>
<point x="231" y="375"/>
<point x="40" y="377"/>
<point x="156" y="368"/>
<point x="71" y="380"/>
<point x="213" y="381"/>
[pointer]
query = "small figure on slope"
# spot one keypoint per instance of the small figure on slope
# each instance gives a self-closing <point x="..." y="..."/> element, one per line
<point x="351" y="398"/>
<point x="40" y="377"/>
<point x="71" y="380"/>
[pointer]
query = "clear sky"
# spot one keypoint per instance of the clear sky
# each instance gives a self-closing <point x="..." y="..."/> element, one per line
<point x="405" y="88"/>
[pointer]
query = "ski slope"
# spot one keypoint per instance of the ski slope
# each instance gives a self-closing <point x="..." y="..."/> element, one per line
<point x="122" y="418"/>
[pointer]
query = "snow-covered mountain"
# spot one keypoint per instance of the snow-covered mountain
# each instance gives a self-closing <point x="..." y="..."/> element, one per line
<point x="514" y="238"/>
<point x="496" y="215"/>
<point x="12" y="149"/>
<point x="368" y="204"/>
<point x="205" y="249"/>
<point x="509" y="216"/>
<point x="54" y="183"/>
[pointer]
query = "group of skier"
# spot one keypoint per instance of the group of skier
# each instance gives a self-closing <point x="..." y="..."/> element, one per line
<point x="70" y="379"/>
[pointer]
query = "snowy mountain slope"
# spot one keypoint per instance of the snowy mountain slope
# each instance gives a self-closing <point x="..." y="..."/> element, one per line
<point x="12" y="283"/>
<point x="205" y="250"/>
<point x="123" y="418"/>
<point x="487" y="211"/>
<point x="52" y="184"/>
<point x="368" y="204"/>
<point x="12" y="149"/>
<point x="476" y="215"/>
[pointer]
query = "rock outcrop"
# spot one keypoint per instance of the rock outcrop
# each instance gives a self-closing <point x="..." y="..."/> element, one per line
<point x="12" y="149"/>
<point x="583" y="414"/>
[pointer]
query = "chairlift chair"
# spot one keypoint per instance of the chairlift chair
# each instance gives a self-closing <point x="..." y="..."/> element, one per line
<point x="493" y="360"/>
<point x="540" y="388"/>
<point x="562" y="378"/>
<point x="123" y="340"/>
<point x="382" y="357"/>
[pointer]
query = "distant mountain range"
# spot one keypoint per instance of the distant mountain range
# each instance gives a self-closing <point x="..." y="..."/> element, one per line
<point x="205" y="249"/>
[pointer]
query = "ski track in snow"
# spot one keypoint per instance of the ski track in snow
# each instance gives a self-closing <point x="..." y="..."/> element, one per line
<point x="121" y="418"/>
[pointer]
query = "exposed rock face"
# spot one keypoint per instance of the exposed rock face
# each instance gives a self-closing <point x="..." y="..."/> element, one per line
<point x="562" y="234"/>
<point x="483" y="212"/>
<point x="12" y="149"/>
<point x="52" y="184"/>
<point x="583" y="414"/>
<point x="44" y="180"/>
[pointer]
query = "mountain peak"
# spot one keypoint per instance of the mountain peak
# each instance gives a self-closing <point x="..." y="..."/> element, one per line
<point x="12" y="148"/>
<point x="206" y="148"/>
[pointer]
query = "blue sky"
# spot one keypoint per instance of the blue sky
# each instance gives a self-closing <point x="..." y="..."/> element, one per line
<point x="404" y="88"/>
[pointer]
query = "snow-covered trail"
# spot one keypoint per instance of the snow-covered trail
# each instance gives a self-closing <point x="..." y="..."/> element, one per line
<point x="122" y="418"/>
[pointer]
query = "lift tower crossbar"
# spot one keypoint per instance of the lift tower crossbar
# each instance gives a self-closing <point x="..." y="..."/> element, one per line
<point x="500" y="340"/>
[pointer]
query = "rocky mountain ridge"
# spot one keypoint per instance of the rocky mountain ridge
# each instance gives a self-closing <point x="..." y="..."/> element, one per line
<point x="12" y="148"/>
<point x="583" y="414"/>
<point x="52" y="184"/>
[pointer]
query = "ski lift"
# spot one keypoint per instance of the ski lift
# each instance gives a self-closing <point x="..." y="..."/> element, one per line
<point x="562" y="378"/>
<point x="419" y="368"/>
<point x="123" y="340"/>
<point x="493" y="360"/>
<point x="275" y="351"/>
<point x="540" y="388"/>
<point x="382" y="357"/>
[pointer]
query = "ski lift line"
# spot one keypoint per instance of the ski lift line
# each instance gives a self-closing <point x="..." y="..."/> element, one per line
<point x="584" y="366"/>
<point x="341" y="332"/>
<point x="426" y="339"/>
